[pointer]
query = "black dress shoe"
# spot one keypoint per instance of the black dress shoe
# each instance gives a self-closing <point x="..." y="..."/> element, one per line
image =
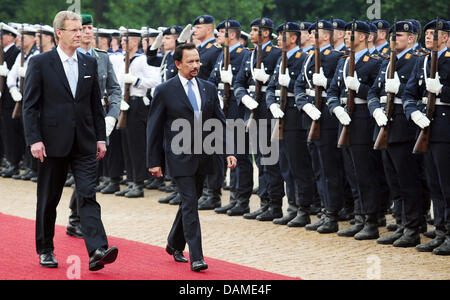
<point x="350" y="232"/>
<point x="315" y="226"/>
<point x="210" y="203"/>
<point x="198" y="265"/>
<point x="111" y="188"/>
<point x="74" y="231"/>
<point x="370" y="230"/>
<point x="253" y="215"/>
<point x="177" y="254"/>
<point x="330" y="224"/>
<point x="238" y="210"/>
<point x="102" y="257"/>
<point x="410" y="238"/>
<point x="136" y="192"/>
<point x="285" y="220"/>
<point x="123" y="192"/>
<point x="390" y="239"/>
<point x="444" y="248"/>
<point x="302" y="219"/>
<point x="270" y="215"/>
<point x="166" y="200"/>
<point x="223" y="210"/>
<point x="47" y="260"/>
<point x="436" y="242"/>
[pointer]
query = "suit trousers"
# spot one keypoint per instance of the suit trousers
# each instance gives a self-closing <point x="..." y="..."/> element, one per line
<point x="51" y="178"/>
<point x="186" y="226"/>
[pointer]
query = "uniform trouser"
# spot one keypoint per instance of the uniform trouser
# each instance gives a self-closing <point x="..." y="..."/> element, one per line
<point x="113" y="165"/>
<point x="13" y="137"/>
<point x="186" y="226"/>
<point x="297" y="160"/>
<point x="394" y="187"/>
<point x="51" y="178"/>
<point x="136" y="138"/>
<point x="318" y="174"/>
<point x="126" y="155"/>
<point x="292" y="191"/>
<point x="350" y="179"/>
<point x="437" y="166"/>
<point x="406" y="165"/>
<point x="331" y="165"/>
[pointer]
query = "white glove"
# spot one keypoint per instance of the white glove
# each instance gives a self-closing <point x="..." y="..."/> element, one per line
<point x="353" y="82"/>
<point x="227" y="76"/>
<point x="185" y="34"/>
<point x="434" y="86"/>
<point x="124" y="106"/>
<point x="312" y="111"/>
<point x="342" y="115"/>
<point x="15" y="94"/>
<point x="420" y="119"/>
<point x="260" y="74"/>
<point x="380" y="117"/>
<point x="130" y="78"/>
<point x="276" y="111"/>
<point x="22" y="71"/>
<point x="220" y="101"/>
<point x="393" y="85"/>
<point x="146" y="101"/>
<point x="320" y="79"/>
<point x="249" y="102"/>
<point x="4" y="70"/>
<point x="157" y="43"/>
<point x="110" y="123"/>
<point x="285" y="79"/>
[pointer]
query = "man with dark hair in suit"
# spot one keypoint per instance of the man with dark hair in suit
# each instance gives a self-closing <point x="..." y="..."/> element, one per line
<point x="193" y="100"/>
<point x="65" y="126"/>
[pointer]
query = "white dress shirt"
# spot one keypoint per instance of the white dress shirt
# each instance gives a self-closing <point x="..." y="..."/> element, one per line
<point x="184" y="82"/>
<point x="66" y="60"/>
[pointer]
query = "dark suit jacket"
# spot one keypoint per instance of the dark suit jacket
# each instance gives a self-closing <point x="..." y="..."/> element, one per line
<point x="51" y="114"/>
<point x="170" y="103"/>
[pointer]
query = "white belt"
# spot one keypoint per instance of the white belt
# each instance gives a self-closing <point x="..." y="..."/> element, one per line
<point x="438" y="101"/>
<point x="312" y="93"/>
<point x="252" y="89"/>
<point x="222" y="87"/>
<point x="383" y="100"/>
<point x="278" y="94"/>
<point x="357" y="101"/>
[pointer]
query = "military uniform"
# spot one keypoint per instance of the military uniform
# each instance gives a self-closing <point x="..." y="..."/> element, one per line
<point x="295" y="159"/>
<point x="330" y="162"/>
<point x="270" y="183"/>
<point x="436" y="159"/>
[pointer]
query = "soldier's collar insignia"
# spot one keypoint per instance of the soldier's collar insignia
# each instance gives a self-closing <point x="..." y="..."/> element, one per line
<point x="239" y="50"/>
<point x="408" y="56"/>
<point x="385" y="50"/>
<point x="327" y="52"/>
<point x="447" y="54"/>
<point x="268" y="49"/>
<point x="209" y="45"/>
<point x="298" y="55"/>
<point x="366" y="58"/>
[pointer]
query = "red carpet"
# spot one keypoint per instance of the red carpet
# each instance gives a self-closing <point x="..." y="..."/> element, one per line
<point x="136" y="261"/>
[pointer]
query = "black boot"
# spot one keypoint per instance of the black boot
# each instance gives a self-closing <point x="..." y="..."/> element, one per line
<point x="19" y="176"/>
<point x="264" y="207"/>
<point x="274" y="212"/>
<point x="223" y="210"/>
<point x="390" y="239"/>
<point x="10" y="172"/>
<point x="30" y="175"/>
<point x="125" y="190"/>
<point x="392" y="227"/>
<point x="241" y="208"/>
<point x="286" y="219"/>
<point x="370" y="230"/>
<point x="381" y="219"/>
<point x="213" y="201"/>
<point x="137" y="191"/>
<point x="176" y="200"/>
<point x="430" y="234"/>
<point x="444" y="248"/>
<point x="330" y="224"/>
<point x="315" y="226"/>
<point x="155" y="184"/>
<point x="435" y="243"/>
<point x="205" y="194"/>
<point x="166" y="200"/>
<point x="410" y="238"/>
<point x="302" y="219"/>
<point x="346" y="214"/>
<point x="105" y="183"/>
<point x="350" y="232"/>
<point x="112" y="187"/>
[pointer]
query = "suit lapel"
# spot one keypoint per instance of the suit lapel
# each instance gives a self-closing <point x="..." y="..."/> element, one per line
<point x="183" y="93"/>
<point x="202" y="90"/>
<point x="81" y="72"/>
<point x="59" y="69"/>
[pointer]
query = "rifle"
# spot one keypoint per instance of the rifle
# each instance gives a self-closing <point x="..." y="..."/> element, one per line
<point x="2" y="60"/>
<point x="226" y="65"/>
<point x="383" y="136"/>
<point x="283" y="96"/>
<point x="258" y="84"/>
<point x="314" y="132"/>
<point x="123" y="117"/>
<point x="344" y="139"/>
<point x="423" y="141"/>
<point x="17" y="112"/>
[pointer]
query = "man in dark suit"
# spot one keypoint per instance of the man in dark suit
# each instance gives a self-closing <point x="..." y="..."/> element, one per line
<point x="65" y="126"/>
<point x="193" y="100"/>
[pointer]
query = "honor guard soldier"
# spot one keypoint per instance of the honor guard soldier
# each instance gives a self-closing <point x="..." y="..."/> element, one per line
<point x="115" y="45"/>
<point x="271" y="185"/>
<point x="112" y="165"/>
<point x="331" y="166"/>
<point x="141" y="77"/>
<point x="372" y="38"/>
<point x="339" y="35"/>
<point x="48" y="38"/>
<point x="398" y="156"/>
<point x="381" y="42"/>
<point x="295" y="161"/>
<point x="436" y="157"/>
<point x="306" y="40"/>
<point x="417" y="30"/>
<point x="104" y="37"/>
<point x="14" y="136"/>
<point x="244" y="39"/>
<point x="241" y="178"/>
<point x="367" y="165"/>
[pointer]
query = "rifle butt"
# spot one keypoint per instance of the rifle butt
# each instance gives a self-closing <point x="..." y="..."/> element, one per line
<point x="344" y="139"/>
<point x="423" y="142"/>
<point x="17" y="112"/>
<point x="382" y="139"/>
<point x="314" y="132"/>
<point x="122" y="122"/>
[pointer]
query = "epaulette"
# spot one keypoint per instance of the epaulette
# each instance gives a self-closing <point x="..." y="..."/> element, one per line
<point x="327" y="52"/>
<point x="218" y="46"/>
<point x="99" y="50"/>
<point x="239" y="50"/>
<point x="447" y="54"/>
<point x="268" y="49"/>
<point x="298" y="54"/>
